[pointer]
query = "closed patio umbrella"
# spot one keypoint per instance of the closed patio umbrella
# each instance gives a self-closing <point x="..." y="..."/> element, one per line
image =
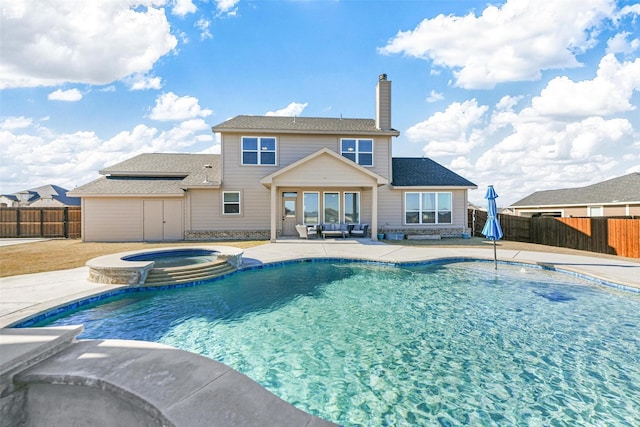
<point x="492" y="230"/>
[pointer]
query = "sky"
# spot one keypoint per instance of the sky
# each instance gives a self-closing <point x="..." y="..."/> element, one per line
<point x="525" y="95"/>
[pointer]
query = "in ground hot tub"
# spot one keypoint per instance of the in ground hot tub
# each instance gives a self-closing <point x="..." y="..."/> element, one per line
<point x="175" y="257"/>
<point x="132" y="268"/>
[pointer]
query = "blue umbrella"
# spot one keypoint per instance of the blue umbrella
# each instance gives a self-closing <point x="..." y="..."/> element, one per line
<point x="492" y="230"/>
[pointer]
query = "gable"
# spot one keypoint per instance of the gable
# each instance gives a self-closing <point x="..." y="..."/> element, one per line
<point x="324" y="167"/>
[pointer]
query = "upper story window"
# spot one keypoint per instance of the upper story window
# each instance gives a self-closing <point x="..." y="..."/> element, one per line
<point x="258" y="150"/>
<point x="358" y="150"/>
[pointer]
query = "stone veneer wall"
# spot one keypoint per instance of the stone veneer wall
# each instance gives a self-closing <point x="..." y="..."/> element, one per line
<point x="441" y="231"/>
<point x="227" y="235"/>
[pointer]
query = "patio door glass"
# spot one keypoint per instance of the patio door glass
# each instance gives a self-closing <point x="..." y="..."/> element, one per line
<point x="311" y="209"/>
<point x="331" y="208"/>
<point x="289" y="200"/>
<point x="352" y="208"/>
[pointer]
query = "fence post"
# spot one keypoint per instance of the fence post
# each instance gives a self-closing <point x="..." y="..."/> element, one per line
<point x="41" y="223"/>
<point x="66" y="222"/>
<point x="17" y="222"/>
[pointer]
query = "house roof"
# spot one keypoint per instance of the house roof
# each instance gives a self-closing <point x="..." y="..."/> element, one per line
<point x="424" y="172"/>
<point x="621" y="190"/>
<point x="48" y="191"/>
<point x="314" y="125"/>
<point x="156" y="174"/>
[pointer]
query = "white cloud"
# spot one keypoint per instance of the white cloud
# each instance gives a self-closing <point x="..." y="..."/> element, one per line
<point x="11" y="123"/>
<point x="203" y="25"/>
<point x="573" y="133"/>
<point x="48" y="43"/>
<point x="435" y="97"/>
<point x="33" y="156"/>
<point x="143" y="82"/>
<point x="227" y="7"/>
<point x="608" y="93"/>
<point x="451" y="132"/>
<point x="183" y="7"/>
<point x="71" y="95"/>
<point x="170" y="107"/>
<point x="513" y="42"/>
<point x="620" y="43"/>
<point x="291" y="110"/>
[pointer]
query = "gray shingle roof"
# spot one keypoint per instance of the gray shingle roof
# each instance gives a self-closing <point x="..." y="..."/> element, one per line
<point x="624" y="189"/>
<point x="424" y="172"/>
<point x="278" y="124"/>
<point x="165" y="164"/>
<point x="156" y="173"/>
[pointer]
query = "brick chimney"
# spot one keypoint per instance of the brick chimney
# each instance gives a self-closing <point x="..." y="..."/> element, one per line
<point x="383" y="103"/>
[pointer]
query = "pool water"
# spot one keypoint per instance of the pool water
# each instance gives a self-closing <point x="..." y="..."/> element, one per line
<point x="175" y="257"/>
<point x="362" y="344"/>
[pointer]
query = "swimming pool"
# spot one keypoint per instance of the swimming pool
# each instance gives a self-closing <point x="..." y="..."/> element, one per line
<point x="365" y="344"/>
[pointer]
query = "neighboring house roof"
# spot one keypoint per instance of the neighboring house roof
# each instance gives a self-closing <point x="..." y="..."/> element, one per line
<point x="156" y="174"/>
<point x="48" y="191"/>
<point x="315" y="125"/>
<point x="621" y="190"/>
<point x="424" y="172"/>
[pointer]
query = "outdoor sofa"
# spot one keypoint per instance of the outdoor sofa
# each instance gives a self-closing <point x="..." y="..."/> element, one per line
<point x="359" y="230"/>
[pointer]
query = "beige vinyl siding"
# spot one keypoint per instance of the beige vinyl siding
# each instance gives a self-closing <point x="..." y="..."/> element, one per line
<point x="204" y="209"/>
<point x="391" y="208"/>
<point x="292" y="148"/>
<point x="581" y="211"/>
<point x="112" y="219"/>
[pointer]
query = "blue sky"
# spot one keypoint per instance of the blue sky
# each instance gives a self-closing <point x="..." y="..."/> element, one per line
<point x="522" y="94"/>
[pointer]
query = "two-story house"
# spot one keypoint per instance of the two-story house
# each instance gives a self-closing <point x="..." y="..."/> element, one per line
<point x="273" y="173"/>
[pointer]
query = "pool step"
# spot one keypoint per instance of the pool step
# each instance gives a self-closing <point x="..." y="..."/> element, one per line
<point x="187" y="274"/>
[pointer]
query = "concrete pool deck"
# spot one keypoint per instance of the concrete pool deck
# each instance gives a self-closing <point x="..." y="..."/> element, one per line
<point x="24" y="296"/>
<point x="150" y="383"/>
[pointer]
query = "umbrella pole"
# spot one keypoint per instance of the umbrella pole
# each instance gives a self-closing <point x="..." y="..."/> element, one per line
<point x="495" y="255"/>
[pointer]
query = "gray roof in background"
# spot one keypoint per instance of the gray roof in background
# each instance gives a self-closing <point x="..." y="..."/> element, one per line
<point x="48" y="191"/>
<point x="279" y="124"/>
<point x="156" y="173"/>
<point x="624" y="189"/>
<point x="424" y="172"/>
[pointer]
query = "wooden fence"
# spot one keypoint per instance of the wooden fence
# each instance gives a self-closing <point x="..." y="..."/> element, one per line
<point x="41" y="222"/>
<point x="616" y="236"/>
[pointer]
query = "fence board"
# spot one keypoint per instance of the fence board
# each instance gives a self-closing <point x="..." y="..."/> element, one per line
<point x="41" y="222"/>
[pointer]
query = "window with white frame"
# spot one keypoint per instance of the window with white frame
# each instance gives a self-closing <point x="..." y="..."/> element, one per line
<point x="596" y="211"/>
<point x="311" y="208"/>
<point x="231" y="202"/>
<point x="331" y="208"/>
<point x="351" y="208"/>
<point x="358" y="150"/>
<point x="258" y="150"/>
<point x="427" y="208"/>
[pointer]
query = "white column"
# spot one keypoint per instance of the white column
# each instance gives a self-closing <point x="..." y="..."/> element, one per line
<point x="274" y="209"/>
<point x="374" y="212"/>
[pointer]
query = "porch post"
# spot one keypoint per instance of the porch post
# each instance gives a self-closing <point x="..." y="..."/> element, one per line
<point x="273" y="212"/>
<point x="374" y="212"/>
